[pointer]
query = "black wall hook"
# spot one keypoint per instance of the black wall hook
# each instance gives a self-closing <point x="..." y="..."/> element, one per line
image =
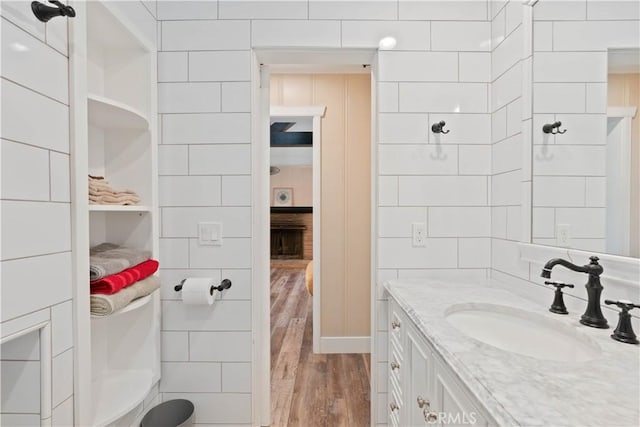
<point x="438" y="127"/>
<point x="44" y="13"/>
<point x="553" y="128"/>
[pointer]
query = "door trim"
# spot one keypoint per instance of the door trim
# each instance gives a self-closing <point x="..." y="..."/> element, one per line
<point x="316" y="112"/>
<point x="260" y="200"/>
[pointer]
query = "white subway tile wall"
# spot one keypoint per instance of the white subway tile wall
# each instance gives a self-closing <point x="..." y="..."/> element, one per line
<point x="439" y="70"/>
<point x="460" y="61"/>
<point x="62" y="378"/>
<point x="569" y="84"/>
<point x="36" y="206"/>
<point x="36" y="220"/>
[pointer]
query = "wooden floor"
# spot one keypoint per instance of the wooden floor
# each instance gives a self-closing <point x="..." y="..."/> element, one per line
<point x="310" y="389"/>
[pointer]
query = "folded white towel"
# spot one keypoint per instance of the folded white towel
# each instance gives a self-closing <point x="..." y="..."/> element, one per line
<point x="104" y="305"/>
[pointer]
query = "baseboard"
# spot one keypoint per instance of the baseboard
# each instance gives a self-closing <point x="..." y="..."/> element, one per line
<point x="345" y="344"/>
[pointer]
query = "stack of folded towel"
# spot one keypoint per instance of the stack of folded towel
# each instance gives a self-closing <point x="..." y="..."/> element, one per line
<point x="119" y="276"/>
<point x="101" y="193"/>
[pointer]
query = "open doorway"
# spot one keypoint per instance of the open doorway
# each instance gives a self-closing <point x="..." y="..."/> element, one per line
<point x="320" y="244"/>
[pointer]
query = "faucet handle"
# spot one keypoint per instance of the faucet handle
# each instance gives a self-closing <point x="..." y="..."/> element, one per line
<point x="558" y="306"/>
<point x="558" y="285"/>
<point x="624" y="330"/>
<point x="624" y="304"/>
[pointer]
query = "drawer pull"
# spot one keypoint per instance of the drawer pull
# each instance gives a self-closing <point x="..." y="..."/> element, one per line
<point x="430" y="417"/>
<point x="395" y="325"/>
<point x="423" y="403"/>
<point x="394" y="366"/>
<point x="393" y="406"/>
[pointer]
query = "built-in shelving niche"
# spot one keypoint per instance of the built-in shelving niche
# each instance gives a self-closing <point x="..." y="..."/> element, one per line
<point x="122" y="147"/>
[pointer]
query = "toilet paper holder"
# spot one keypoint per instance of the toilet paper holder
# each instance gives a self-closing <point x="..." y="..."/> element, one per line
<point x="225" y="284"/>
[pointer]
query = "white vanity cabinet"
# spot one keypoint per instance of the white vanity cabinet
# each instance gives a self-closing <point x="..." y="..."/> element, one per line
<point x="422" y="388"/>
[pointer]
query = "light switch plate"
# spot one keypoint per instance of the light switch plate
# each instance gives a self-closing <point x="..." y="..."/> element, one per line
<point x="210" y="233"/>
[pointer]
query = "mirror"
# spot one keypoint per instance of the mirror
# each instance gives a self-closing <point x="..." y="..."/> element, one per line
<point x="586" y="129"/>
<point x="291" y="162"/>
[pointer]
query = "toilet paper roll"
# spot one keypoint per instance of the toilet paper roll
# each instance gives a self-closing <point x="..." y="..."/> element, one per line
<point x="196" y="291"/>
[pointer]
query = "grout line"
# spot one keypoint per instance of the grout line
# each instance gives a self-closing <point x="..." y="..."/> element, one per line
<point x="515" y="64"/>
<point x="43" y="40"/>
<point x="30" y="89"/>
<point x="50" y="202"/>
<point x="33" y="145"/>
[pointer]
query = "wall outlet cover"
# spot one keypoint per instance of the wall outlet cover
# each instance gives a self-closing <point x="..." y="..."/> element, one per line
<point x="419" y="234"/>
<point x="563" y="235"/>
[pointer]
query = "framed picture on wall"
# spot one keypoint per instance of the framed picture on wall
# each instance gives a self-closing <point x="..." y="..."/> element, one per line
<point x="282" y="196"/>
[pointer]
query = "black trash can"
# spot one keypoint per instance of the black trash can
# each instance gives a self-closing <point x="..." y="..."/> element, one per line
<point x="172" y="413"/>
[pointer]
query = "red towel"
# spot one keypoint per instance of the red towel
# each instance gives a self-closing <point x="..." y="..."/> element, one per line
<point x="109" y="285"/>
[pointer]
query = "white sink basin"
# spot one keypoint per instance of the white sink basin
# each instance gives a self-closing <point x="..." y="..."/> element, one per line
<point x="522" y="332"/>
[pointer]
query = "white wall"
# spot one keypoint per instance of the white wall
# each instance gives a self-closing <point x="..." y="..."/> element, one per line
<point x="440" y="70"/>
<point x="36" y="236"/>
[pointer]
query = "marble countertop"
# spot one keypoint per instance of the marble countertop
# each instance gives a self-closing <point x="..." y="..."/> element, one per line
<point x="521" y="390"/>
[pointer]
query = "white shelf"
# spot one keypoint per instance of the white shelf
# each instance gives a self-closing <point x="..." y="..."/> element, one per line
<point x="110" y="114"/>
<point x="118" y="392"/>
<point x="119" y="208"/>
<point x="133" y="305"/>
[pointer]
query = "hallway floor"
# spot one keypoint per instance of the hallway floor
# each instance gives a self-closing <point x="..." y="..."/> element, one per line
<point x="310" y="389"/>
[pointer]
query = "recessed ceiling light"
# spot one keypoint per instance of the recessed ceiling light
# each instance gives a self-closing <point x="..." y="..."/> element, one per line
<point x="387" y="43"/>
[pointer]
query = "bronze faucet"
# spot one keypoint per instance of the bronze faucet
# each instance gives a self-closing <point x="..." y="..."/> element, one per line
<point x="593" y="314"/>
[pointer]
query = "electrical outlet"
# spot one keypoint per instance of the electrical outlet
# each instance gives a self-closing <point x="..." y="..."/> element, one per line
<point x="563" y="235"/>
<point x="419" y="234"/>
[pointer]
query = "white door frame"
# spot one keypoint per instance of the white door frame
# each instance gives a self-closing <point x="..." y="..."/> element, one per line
<point x="316" y="112"/>
<point x="260" y="201"/>
<point x="619" y="171"/>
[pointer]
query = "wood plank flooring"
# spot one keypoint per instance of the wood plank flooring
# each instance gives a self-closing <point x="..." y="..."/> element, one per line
<point x="310" y="389"/>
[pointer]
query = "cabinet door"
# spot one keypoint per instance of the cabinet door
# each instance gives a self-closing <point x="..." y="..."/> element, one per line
<point x="396" y="344"/>
<point x="418" y="374"/>
<point x="451" y="402"/>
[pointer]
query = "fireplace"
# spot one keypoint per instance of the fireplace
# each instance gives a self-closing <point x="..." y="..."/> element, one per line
<point x="287" y="241"/>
